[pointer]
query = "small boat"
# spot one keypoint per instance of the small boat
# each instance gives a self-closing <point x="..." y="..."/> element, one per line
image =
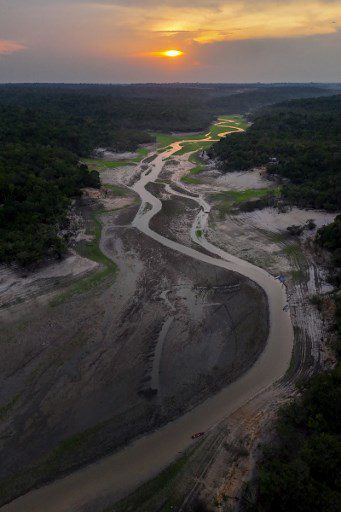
<point x="198" y="434"/>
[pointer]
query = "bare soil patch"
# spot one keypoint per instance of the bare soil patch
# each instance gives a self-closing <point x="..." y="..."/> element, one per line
<point x="83" y="368"/>
<point x="18" y="285"/>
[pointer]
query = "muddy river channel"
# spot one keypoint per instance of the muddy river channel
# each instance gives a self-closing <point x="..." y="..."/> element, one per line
<point x="183" y="336"/>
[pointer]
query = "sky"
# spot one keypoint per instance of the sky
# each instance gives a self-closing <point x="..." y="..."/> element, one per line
<point x="121" y="41"/>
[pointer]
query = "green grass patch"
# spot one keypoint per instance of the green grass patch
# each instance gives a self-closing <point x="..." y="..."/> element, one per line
<point x="83" y="285"/>
<point x="188" y="147"/>
<point x="197" y="170"/>
<point x="199" y="233"/>
<point x="230" y="122"/>
<point x="190" y="180"/>
<point x="165" y="139"/>
<point x="193" y="172"/>
<point x="73" y="444"/>
<point x="217" y="129"/>
<point x="237" y="120"/>
<point x="141" y="153"/>
<point x="298" y="262"/>
<point x="228" y="200"/>
<point x="99" y="164"/>
<point x="195" y="159"/>
<point x="239" y="196"/>
<point x="294" y="253"/>
<point x="116" y="190"/>
<point x="298" y="276"/>
<point x="92" y="251"/>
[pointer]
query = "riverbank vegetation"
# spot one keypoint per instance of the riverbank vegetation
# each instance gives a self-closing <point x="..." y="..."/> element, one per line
<point x="298" y="141"/>
<point x="245" y="200"/>
<point x="46" y="129"/>
<point x="300" y="470"/>
<point x="36" y="184"/>
<point x="329" y="237"/>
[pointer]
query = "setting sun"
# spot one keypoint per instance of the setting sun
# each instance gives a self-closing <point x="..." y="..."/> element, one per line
<point x="172" y="53"/>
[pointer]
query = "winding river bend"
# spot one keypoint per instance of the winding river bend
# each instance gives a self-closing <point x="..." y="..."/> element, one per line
<point x="123" y="471"/>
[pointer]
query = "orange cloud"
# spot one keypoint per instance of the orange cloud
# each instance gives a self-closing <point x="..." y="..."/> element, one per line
<point x="7" y="47"/>
<point x="229" y="20"/>
<point x="236" y="20"/>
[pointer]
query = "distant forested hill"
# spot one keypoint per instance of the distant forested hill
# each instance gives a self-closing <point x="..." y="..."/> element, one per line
<point x="119" y="116"/>
<point x="303" y="138"/>
<point x="45" y="129"/>
<point x="249" y="100"/>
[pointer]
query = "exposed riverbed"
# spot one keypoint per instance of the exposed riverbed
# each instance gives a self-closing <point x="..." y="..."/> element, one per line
<point x="227" y="277"/>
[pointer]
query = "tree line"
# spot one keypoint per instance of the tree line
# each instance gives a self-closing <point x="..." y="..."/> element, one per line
<point x="36" y="184"/>
<point x="298" y="141"/>
<point x="45" y="130"/>
<point x="300" y="469"/>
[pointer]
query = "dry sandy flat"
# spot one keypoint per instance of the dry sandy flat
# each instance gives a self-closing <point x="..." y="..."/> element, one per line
<point x="244" y="180"/>
<point x="18" y="284"/>
<point x="124" y="175"/>
<point x="108" y="155"/>
<point x="89" y="362"/>
<point x="275" y="221"/>
<point x="114" y="203"/>
<point x="112" y="156"/>
<point x="15" y="285"/>
<point x="176" y="169"/>
<point x="249" y="235"/>
<point x="261" y="237"/>
<point x="213" y="180"/>
<point x="106" y="199"/>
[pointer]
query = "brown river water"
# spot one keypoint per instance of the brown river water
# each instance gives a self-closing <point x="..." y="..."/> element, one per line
<point x="123" y="471"/>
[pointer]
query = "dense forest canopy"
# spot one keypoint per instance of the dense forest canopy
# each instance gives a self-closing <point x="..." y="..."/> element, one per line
<point x="45" y="129"/>
<point x="121" y="116"/>
<point x="36" y="183"/>
<point x="300" y="473"/>
<point x="75" y="132"/>
<point x="329" y="237"/>
<point x="301" y="467"/>
<point x="303" y="138"/>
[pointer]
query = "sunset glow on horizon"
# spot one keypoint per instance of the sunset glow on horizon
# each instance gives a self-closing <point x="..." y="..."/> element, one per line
<point x="219" y="40"/>
<point x="165" y="53"/>
<point x="172" y="53"/>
